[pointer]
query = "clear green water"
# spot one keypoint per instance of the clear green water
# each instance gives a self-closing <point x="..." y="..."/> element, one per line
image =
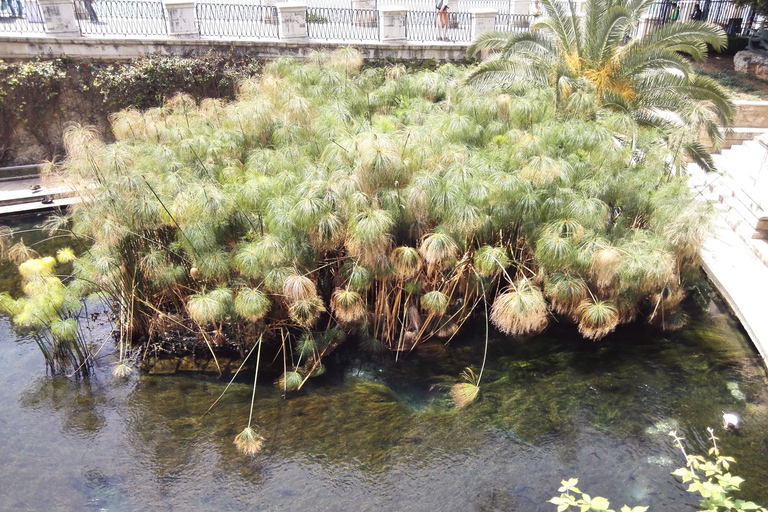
<point x="383" y="435"/>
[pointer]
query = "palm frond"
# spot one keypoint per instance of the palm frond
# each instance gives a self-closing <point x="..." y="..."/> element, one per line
<point x="249" y="441"/>
<point x="298" y="287"/>
<point x="464" y="394"/>
<point x="438" y="249"/>
<point x="406" y="262"/>
<point x="491" y="261"/>
<point x="306" y="312"/>
<point x="290" y="381"/>
<point x="251" y="304"/>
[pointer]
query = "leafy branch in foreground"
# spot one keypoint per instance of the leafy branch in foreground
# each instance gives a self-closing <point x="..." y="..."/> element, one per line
<point x="709" y="477"/>
<point x="572" y="497"/>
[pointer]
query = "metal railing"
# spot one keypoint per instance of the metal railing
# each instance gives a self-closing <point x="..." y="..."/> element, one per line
<point x="506" y="22"/>
<point x="734" y="19"/>
<point x="238" y="20"/>
<point x="343" y="24"/>
<point x="455" y="5"/>
<point x="121" y="17"/>
<point x="426" y="26"/>
<point x="248" y="20"/>
<point x="501" y="6"/>
<point x="22" y="17"/>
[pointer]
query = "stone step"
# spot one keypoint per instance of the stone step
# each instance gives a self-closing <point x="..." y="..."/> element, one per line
<point x="744" y="161"/>
<point x="38" y="205"/>
<point x="735" y="205"/>
<point x="17" y="195"/>
<point x="736" y="136"/>
<point x="735" y="198"/>
<point x="750" y="195"/>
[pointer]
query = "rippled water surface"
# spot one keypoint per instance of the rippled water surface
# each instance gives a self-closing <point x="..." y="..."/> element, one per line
<point x="383" y="435"/>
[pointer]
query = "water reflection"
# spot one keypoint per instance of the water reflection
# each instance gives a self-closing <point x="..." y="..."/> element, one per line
<point x="385" y="436"/>
<point x="73" y="399"/>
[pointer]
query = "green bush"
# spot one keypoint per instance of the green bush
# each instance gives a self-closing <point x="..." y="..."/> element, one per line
<point x="150" y="81"/>
<point x="32" y="93"/>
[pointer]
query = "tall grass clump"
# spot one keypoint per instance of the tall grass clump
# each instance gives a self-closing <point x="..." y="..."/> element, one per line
<point x="325" y="196"/>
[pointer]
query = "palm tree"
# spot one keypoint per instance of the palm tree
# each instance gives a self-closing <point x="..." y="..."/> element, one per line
<point x="595" y="66"/>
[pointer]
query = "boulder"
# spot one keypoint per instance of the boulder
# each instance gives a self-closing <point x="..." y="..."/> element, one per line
<point x="754" y="62"/>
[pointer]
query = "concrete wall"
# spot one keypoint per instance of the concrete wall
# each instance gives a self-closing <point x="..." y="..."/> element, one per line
<point x="753" y="114"/>
<point x="20" y="48"/>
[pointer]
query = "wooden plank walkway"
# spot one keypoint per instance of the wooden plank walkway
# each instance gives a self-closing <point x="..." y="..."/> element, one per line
<point x="16" y="196"/>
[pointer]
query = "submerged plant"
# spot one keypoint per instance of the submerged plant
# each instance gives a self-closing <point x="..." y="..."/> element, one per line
<point x="464" y="393"/>
<point x="249" y="441"/>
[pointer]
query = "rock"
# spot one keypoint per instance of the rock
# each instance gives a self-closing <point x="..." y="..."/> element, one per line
<point x="188" y="364"/>
<point x="163" y="366"/>
<point x="753" y="62"/>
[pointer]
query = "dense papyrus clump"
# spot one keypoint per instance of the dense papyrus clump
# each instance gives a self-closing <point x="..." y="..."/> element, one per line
<point x="330" y="196"/>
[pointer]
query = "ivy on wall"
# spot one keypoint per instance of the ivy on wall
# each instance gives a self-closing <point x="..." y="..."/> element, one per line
<point x="43" y="95"/>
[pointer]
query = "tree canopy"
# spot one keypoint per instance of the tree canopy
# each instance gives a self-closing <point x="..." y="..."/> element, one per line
<point x="593" y="63"/>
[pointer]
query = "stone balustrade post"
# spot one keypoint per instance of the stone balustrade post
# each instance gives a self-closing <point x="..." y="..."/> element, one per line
<point x="364" y="4"/>
<point x="59" y="18"/>
<point x="292" y="18"/>
<point x="520" y="17"/>
<point x="181" y="19"/>
<point x="369" y="18"/>
<point x="269" y="12"/>
<point x="392" y="24"/>
<point x="483" y="20"/>
<point x="520" y="7"/>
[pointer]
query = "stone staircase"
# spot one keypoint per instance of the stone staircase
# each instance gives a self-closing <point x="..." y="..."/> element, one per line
<point x="739" y="190"/>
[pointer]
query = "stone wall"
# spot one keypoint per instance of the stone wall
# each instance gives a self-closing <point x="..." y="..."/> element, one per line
<point x="22" y="48"/>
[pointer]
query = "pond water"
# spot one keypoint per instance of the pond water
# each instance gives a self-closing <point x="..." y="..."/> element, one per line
<point x="383" y="435"/>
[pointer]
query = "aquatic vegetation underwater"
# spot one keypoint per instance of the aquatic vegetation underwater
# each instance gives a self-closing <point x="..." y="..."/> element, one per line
<point x="385" y="434"/>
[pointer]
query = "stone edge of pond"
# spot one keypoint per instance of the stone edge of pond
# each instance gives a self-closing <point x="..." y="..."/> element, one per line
<point x="742" y="280"/>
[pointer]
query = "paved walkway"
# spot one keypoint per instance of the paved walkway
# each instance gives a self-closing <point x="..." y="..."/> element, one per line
<point x="742" y="280"/>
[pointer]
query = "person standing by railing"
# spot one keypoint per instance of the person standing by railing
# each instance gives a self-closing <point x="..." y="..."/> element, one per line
<point x="442" y="16"/>
<point x="696" y="14"/>
<point x="675" y="13"/>
<point x="91" y="11"/>
<point x="535" y="12"/>
<point x="15" y="13"/>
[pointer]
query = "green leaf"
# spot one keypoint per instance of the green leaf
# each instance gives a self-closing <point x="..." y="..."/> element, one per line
<point x="599" y="503"/>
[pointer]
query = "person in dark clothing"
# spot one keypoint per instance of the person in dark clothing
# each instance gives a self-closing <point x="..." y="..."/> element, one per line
<point x="696" y="14"/>
<point x="91" y="11"/>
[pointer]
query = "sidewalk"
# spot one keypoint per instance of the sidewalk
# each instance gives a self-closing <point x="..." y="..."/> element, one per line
<point x="742" y="280"/>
